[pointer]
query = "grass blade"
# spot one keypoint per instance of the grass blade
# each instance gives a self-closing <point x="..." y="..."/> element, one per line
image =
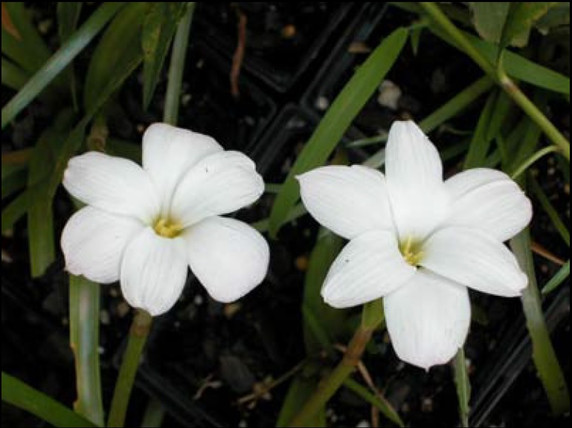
<point x="547" y="365"/>
<point x="12" y="75"/>
<point x="558" y="278"/>
<point x="40" y="216"/>
<point x="378" y="401"/>
<point x="549" y="209"/>
<point x="176" y="67"/>
<point x="159" y="26"/>
<point x="119" y="47"/>
<point x="25" y="397"/>
<point x="23" y="44"/>
<point x="84" y="341"/>
<point x="336" y="121"/>
<point x="59" y="61"/>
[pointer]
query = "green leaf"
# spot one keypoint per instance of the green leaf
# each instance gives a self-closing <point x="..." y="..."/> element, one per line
<point x="515" y="65"/>
<point x="337" y="120"/>
<point x="15" y="210"/>
<point x="557" y="16"/>
<point x="68" y="18"/>
<point x="330" y="320"/>
<point x="488" y="128"/>
<point x="59" y="61"/>
<point x="547" y="365"/>
<point x="117" y="51"/>
<point x="489" y="19"/>
<point x="84" y="341"/>
<point x="154" y="414"/>
<point x="14" y="178"/>
<point x="520" y="20"/>
<point x="549" y="209"/>
<point x="159" y="26"/>
<point x="301" y="388"/>
<point x="558" y="278"/>
<point x="177" y="66"/>
<point x="40" y="216"/>
<point x="378" y="401"/>
<point x="12" y="75"/>
<point x="463" y="386"/>
<point x="21" y="395"/>
<point x="29" y="49"/>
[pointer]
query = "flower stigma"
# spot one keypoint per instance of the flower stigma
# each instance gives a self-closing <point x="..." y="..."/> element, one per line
<point x="167" y="228"/>
<point x="411" y="251"/>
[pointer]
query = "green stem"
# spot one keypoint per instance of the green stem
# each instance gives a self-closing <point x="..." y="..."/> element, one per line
<point x="372" y="316"/>
<point x="463" y="386"/>
<point x="500" y="77"/>
<point x="137" y="337"/>
<point x="176" y="67"/>
<point x="547" y="365"/>
<point x="84" y="341"/>
<point x="528" y="162"/>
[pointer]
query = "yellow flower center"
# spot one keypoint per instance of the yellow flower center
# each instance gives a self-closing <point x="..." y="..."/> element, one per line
<point x="167" y="228"/>
<point x="411" y="251"/>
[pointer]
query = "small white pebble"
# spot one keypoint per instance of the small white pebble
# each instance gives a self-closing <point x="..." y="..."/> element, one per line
<point x="322" y="103"/>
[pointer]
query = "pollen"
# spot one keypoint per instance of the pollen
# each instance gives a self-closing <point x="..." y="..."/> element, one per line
<point x="167" y="228"/>
<point x="411" y="251"/>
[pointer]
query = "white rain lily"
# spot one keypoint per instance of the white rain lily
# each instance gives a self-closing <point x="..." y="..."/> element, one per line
<point x="418" y="241"/>
<point x="145" y="225"/>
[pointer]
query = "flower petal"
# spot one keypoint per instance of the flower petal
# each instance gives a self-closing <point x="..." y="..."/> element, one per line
<point x="427" y="319"/>
<point x="112" y="184"/>
<point x="93" y="242"/>
<point x="490" y="201"/>
<point x="153" y="271"/>
<point x="474" y="259"/>
<point x="228" y="257"/>
<point x="218" y="184"/>
<point x="414" y="175"/>
<point x="368" y="267"/>
<point x="347" y="200"/>
<point x="169" y="152"/>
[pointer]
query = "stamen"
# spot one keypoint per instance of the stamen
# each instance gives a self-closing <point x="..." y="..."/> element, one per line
<point x="411" y="251"/>
<point x="166" y="228"/>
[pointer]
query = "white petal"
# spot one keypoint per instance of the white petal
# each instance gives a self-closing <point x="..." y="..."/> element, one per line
<point x="414" y="175"/>
<point x="228" y="257"/>
<point x="368" y="267"/>
<point x="347" y="200"/>
<point x="93" y="242"/>
<point x="112" y="184"/>
<point x="218" y="184"/>
<point x="474" y="259"/>
<point x="490" y="201"/>
<point x="169" y="152"/>
<point x="427" y="319"/>
<point x="153" y="271"/>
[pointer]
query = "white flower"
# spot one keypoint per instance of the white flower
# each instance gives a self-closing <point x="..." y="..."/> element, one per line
<point x="418" y="242"/>
<point x="144" y="226"/>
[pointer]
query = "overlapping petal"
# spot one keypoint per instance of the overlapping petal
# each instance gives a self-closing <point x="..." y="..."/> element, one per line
<point x="218" y="184"/>
<point x="414" y="175"/>
<point x="474" y="259"/>
<point x="228" y="257"/>
<point x="93" y="242"/>
<point x="153" y="271"/>
<point x="347" y="200"/>
<point x="169" y="152"/>
<point x="112" y="184"/>
<point x="427" y="319"/>
<point x="490" y="201"/>
<point x="369" y="267"/>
